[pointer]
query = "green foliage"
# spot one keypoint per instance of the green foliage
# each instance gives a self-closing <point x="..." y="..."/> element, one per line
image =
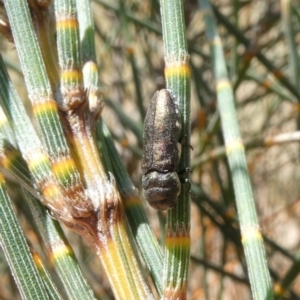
<point x="240" y="200"/>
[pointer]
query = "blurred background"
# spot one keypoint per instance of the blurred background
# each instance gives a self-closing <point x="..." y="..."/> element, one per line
<point x="261" y="41"/>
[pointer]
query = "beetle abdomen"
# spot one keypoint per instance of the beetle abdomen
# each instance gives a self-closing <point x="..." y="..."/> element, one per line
<point x="161" y="189"/>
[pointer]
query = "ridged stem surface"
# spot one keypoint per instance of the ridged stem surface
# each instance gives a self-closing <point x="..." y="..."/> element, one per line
<point x="251" y="236"/>
<point x="177" y="75"/>
<point x="16" y="250"/>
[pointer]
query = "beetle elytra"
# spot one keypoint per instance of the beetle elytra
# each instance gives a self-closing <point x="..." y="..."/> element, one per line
<point x="162" y="130"/>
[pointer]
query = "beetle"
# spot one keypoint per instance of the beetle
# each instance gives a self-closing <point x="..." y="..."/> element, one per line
<point x="162" y="128"/>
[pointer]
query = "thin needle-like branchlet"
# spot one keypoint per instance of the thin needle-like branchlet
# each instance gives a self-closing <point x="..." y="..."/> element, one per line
<point x="43" y="20"/>
<point x="271" y="86"/>
<point x="78" y="126"/>
<point x="267" y="83"/>
<point x="29" y="144"/>
<point x="40" y="171"/>
<point x="79" y="120"/>
<point x="293" y="56"/>
<point x="88" y="53"/>
<point x="48" y="281"/>
<point x="146" y="24"/>
<point x="106" y="227"/>
<point x="10" y="157"/>
<point x="132" y="59"/>
<point x="202" y="200"/>
<point x="283" y="138"/>
<point x="15" y="248"/>
<point x="251" y="236"/>
<point x="232" y="233"/>
<point x="281" y="287"/>
<point x="242" y="39"/>
<point x="68" y="187"/>
<point x="59" y="252"/>
<point x="35" y="75"/>
<point x="219" y="269"/>
<point x="134" y="210"/>
<point x="177" y="74"/>
<point x="136" y="129"/>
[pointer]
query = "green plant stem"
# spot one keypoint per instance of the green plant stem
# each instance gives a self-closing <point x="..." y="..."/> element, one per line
<point x="219" y="152"/>
<point x="126" y="120"/>
<point x="177" y="74"/>
<point x="132" y="59"/>
<point x="59" y="252"/>
<point x="134" y="210"/>
<point x="37" y="82"/>
<point x="293" y="56"/>
<point x="271" y="86"/>
<point x="113" y="244"/>
<point x="146" y="24"/>
<point x="219" y="270"/>
<point x="251" y="236"/>
<point x="17" y="252"/>
<point x="48" y="281"/>
<point x="242" y="39"/>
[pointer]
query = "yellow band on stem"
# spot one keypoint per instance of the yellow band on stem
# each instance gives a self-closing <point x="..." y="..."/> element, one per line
<point x="58" y="251"/>
<point x="250" y="233"/>
<point x="66" y="23"/>
<point x="177" y="70"/>
<point x="63" y="166"/>
<point x="90" y="66"/>
<point x="178" y="241"/>
<point x="71" y="75"/>
<point x="38" y="159"/>
<point x="223" y="84"/>
<point x="45" y="106"/>
<point x="51" y="190"/>
<point x="234" y="145"/>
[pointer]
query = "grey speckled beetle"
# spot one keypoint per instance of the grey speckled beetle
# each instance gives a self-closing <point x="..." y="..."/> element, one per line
<point x="162" y="129"/>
